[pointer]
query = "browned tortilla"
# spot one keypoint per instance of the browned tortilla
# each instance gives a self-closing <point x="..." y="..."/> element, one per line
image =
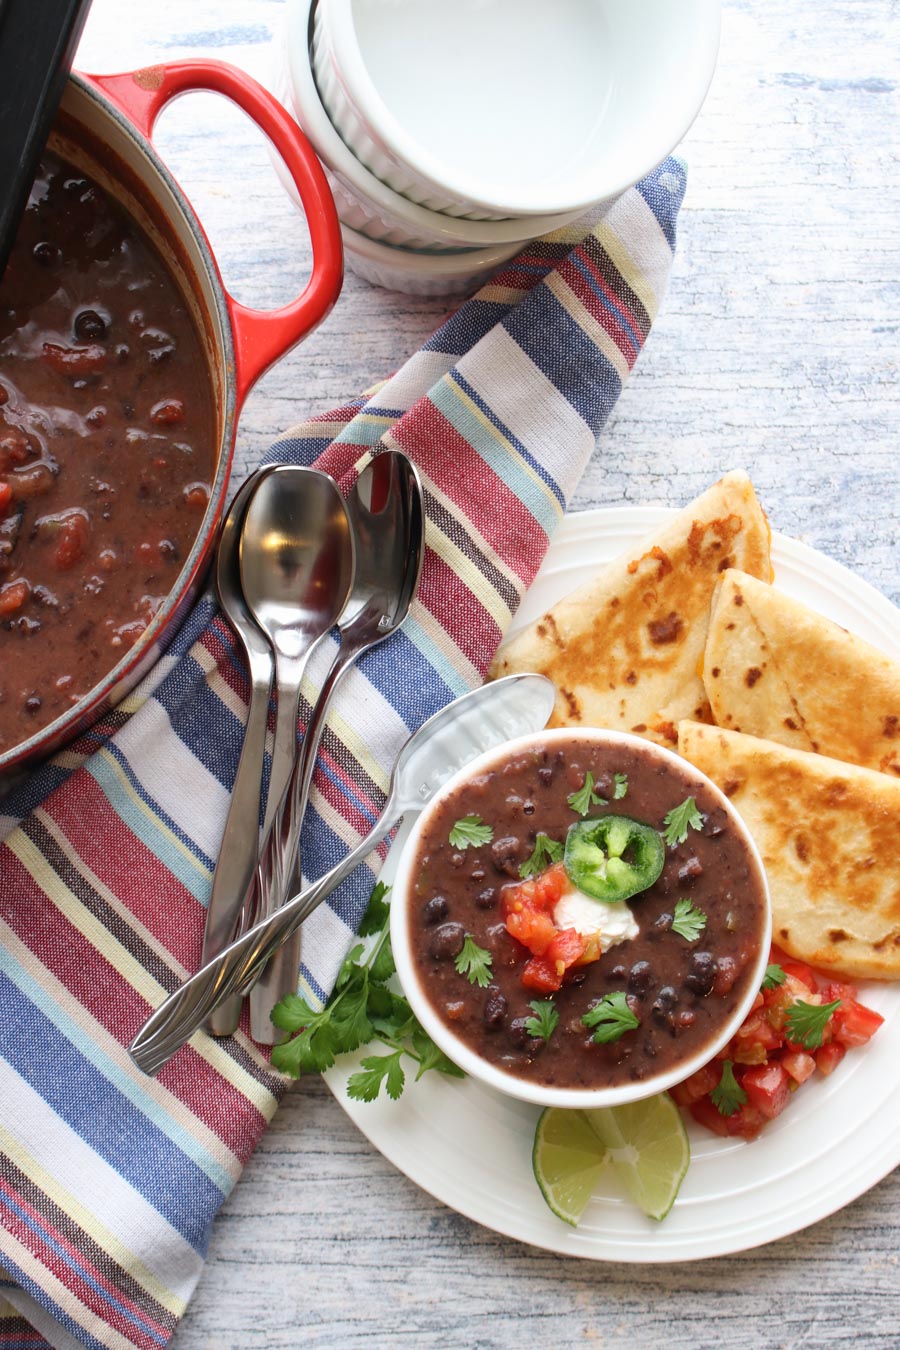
<point x="829" y="836"/>
<point x="624" y="650"/>
<point x="775" y="668"/>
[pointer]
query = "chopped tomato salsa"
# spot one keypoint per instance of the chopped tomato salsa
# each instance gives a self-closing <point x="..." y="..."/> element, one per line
<point x="788" y="1036"/>
<point x="528" y="908"/>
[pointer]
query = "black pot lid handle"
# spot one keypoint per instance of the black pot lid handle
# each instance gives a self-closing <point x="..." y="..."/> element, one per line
<point x="37" y="46"/>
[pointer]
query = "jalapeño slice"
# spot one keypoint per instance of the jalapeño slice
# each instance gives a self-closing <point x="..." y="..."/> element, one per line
<point x="613" y="857"/>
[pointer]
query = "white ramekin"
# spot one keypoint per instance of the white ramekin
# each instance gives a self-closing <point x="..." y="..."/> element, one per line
<point x="400" y="269"/>
<point x="585" y="97"/>
<point x="458" y="1050"/>
<point x="363" y="202"/>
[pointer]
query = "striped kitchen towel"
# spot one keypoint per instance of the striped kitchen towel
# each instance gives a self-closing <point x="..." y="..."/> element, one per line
<point x="109" y="1181"/>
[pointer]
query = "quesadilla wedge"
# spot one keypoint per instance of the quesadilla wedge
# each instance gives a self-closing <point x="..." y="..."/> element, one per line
<point x="624" y="649"/>
<point x="829" y="836"/>
<point x="774" y="668"/>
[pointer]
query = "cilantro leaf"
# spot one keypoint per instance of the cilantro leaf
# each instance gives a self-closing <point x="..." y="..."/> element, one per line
<point x="612" y="1017"/>
<point x="728" y="1095"/>
<point x="582" y="800"/>
<point x="621" y="781"/>
<point x="544" y="1022"/>
<point x="773" y="977"/>
<point x="474" y="962"/>
<point x="350" y="1024"/>
<point x="680" y="819"/>
<point x="687" y="921"/>
<point x="380" y="1003"/>
<point x="377" y="911"/>
<point x="471" y="830"/>
<point x="546" y="851"/>
<point x="286" y="1058"/>
<point x="382" y="967"/>
<point x="312" y="1051"/>
<point x="430" y="1057"/>
<point x="365" y="1085"/>
<point x="391" y="1016"/>
<point x="351" y="964"/>
<point x="293" y="1013"/>
<point x="805" y="1022"/>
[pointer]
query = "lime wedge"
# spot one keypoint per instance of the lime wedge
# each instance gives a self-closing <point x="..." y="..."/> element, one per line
<point x="648" y="1146"/>
<point x="567" y="1158"/>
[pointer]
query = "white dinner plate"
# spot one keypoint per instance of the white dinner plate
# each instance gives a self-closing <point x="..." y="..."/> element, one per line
<point x="470" y="1147"/>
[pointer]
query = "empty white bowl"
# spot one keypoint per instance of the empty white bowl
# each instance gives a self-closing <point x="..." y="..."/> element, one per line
<point x="363" y="202"/>
<point x="508" y="108"/>
<point x="400" y="269"/>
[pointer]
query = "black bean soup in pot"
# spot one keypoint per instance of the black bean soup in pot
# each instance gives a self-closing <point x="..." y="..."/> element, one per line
<point x="608" y="980"/>
<point x="108" y="443"/>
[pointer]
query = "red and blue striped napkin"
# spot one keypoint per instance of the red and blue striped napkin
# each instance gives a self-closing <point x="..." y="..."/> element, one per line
<point x="110" y="1181"/>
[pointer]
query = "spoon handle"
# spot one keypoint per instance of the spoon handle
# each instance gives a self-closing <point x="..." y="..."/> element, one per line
<point x="236" y="863"/>
<point x="281" y="974"/>
<point x="284" y="744"/>
<point x="183" y="1012"/>
<point x="238" y="870"/>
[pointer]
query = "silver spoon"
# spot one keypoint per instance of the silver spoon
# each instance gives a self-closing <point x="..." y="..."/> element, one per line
<point x="296" y="562"/>
<point x="236" y="863"/>
<point x="387" y="515"/>
<point x="478" y="721"/>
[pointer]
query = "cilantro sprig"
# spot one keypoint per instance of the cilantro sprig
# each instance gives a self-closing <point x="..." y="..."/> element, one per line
<point x="610" y="1018"/>
<point x="621" y="782"/>
<point x="362" y="1009"/>
<point x="680" y="819"/>
<point x="728" y="1095"/>
<point x="582" y="800"/>
<point x="805" y="1023"/>
<point x="773" y="977"/>
<point x="687" y="921"/>
<point x="546" y="851"/>
<point x="377" y="911"/>
<point x="474" y="962"/>
<point x="544" y="1022"/>
<point x="470" y="830"/>
<point x="377" y="1070"/>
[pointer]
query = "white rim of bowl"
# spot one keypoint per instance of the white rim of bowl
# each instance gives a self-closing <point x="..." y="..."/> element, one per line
<point x="457" y="1050"/>
<point x="389" y="135"/>
<point x="357" y="179"/>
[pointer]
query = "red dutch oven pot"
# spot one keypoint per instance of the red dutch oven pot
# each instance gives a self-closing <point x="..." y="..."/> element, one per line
<point x="104" y="126"/>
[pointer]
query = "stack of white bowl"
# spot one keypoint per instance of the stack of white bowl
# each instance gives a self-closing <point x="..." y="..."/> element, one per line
<point x="454" y="132"/>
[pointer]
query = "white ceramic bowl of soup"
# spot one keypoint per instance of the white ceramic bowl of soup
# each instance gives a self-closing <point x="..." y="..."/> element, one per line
<point x="491" y="109"/>
<point x="431" y="867"/>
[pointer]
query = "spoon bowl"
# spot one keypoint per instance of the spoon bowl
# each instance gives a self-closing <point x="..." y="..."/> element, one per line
<point x="296" y="558"/>
<point x="387" y="512"/>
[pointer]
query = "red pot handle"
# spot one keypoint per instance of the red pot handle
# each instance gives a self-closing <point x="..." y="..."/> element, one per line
<point x="260" y="336"/>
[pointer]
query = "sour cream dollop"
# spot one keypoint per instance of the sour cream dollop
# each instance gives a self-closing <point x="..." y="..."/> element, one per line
<point x="614" y="923"/>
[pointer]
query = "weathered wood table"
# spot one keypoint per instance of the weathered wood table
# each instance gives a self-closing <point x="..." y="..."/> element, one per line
<point x="776" y="350"/>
